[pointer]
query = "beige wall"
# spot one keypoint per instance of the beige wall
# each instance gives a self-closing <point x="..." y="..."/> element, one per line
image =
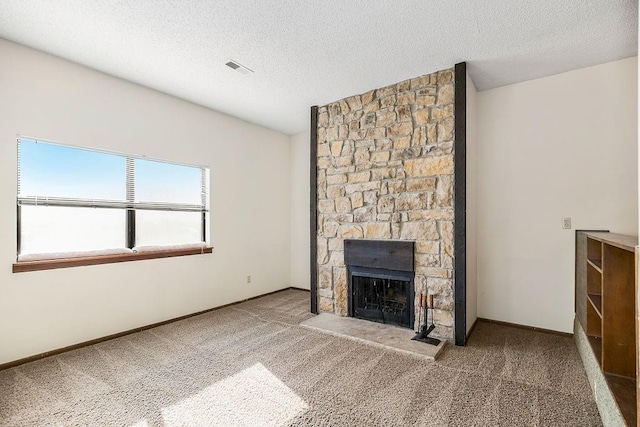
<point x="42" y="96"/>
<point x="561" y="146"/>
<point x="472" y="204"/>
<point x="300" y="199"/>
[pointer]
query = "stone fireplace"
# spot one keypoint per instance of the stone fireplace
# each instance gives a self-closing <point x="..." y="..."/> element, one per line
<point x="385" y="171"/>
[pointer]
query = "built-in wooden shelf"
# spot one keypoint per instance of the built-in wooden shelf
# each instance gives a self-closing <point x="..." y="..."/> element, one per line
<point x="596" y="301"/>
<point x="596" y="263"/>
<point x="620" y="241"/>
<point x="606" y="309"/>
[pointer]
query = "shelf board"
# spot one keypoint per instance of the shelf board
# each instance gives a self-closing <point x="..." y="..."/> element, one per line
<point x="596" y="263"/>
<point x="624" y="242"/>
<point x="596" y="302"/>
<point x="624" y="391"/>
<point x="596" y="346"/>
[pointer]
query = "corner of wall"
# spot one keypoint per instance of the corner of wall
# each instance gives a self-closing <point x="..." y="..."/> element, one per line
<point x="472" y="205"/>
<point x="299" y="269"/>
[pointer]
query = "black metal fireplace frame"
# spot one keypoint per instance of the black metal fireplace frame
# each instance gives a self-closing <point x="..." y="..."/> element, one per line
<point x="384" y="259"/>
<point x="381" y="273"/>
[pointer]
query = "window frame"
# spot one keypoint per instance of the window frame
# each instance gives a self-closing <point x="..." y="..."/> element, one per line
<point x="129" y="205"/>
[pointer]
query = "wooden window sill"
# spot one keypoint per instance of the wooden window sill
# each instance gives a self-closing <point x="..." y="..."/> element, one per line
<point x="24" y="266"/>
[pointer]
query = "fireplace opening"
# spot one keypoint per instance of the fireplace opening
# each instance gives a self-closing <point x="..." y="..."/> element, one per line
<point x="383" y="296"/>
<point x="381" y="280"/>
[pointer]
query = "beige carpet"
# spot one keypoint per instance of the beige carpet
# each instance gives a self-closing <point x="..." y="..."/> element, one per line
<point x="251" y="365"/>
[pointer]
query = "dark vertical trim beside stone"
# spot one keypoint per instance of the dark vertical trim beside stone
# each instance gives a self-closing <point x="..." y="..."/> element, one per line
<point x="460" y="205"/>
<point x="313" y="210"/>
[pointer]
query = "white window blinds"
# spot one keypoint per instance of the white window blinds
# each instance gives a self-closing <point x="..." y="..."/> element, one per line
<point x="76" y="199"/>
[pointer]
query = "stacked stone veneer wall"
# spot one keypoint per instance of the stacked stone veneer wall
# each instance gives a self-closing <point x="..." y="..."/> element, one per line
<point x="385" y="171"/>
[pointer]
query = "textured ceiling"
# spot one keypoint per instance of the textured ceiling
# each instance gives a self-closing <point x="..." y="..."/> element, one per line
<point x="308" y="52"/>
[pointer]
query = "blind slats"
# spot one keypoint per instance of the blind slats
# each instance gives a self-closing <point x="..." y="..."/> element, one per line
<point x="130" y="183"/>
<point x="19" y="169"/>
<point x="114" y="204"/>
<point x="131" y="174"/>
<point x="113" y="153"/>
<point x="166" y="202"/>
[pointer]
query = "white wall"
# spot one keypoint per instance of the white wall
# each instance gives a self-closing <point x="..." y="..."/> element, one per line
<point x="560" y="146"/>
<point x="472" y="204"/>
<point x="46" y="97"/>
<point x="300" y="199"/>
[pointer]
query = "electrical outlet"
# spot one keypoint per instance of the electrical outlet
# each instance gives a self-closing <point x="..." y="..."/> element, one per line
<point x="249" y="279"/>
<point x="566" y="223"/>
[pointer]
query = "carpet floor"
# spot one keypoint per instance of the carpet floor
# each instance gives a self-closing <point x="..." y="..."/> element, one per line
<point x="251" y="364"/>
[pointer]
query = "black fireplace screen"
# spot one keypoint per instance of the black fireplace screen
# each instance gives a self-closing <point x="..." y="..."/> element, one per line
<point x="382" y="297"/>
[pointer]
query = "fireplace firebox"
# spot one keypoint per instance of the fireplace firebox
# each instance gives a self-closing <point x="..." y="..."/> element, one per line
<point x="381" y="281"/>
<point x="384" y="296"/>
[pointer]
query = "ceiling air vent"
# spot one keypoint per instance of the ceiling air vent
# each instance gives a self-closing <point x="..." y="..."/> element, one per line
<point x="238" y="67"/>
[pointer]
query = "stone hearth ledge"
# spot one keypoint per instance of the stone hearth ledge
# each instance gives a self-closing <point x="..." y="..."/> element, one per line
<point x="377" y="334"/>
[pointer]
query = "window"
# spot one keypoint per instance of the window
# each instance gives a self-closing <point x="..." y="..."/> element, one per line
<point x="74" y="202"/>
